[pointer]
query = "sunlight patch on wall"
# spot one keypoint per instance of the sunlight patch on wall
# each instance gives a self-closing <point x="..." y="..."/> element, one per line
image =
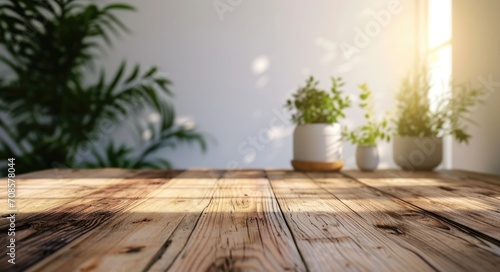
<point x="185" y="121"/>
<point x="147" y="134"/>
<point x="260" y="64"/>
<point x="154" y="117"/>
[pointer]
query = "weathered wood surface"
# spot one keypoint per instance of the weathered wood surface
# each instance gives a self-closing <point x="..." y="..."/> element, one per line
<point x="470" y="203"/>
<point x="241" y="229"/>
<point x="333" y="237"/>
<point x="127" y="241"/>
<point x="431" y="239"/>
<point x="43" y="233"/>
<point x="44" y="191"/>
<point x="254" y="220"/>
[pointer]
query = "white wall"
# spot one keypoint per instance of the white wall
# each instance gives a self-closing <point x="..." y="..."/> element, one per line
<point x="476" y="57"/>
<point x="222" y="81"/>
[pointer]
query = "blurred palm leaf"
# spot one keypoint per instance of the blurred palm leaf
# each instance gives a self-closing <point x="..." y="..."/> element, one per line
<point x="47" y="110"/>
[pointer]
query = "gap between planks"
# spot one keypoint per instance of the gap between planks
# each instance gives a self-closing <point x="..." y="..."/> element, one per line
<point x="241" y="229"/>
<point x="403" y="246"/>
<point x="131" y="238"/>
<point x="471" y="205"/>
<point x="379" y="217"/>
<point x="45" y="233"/>
<point x="49" y="189"/>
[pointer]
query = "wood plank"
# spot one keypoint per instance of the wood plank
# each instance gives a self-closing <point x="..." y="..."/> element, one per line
<point x="331" y="236"/>
<point x="53" y="178"/>
<point x="47" y="173"/>
<point x="440" y="244"/>
<point x="47" y="180"/>
<point x="461" y="183"/>
<point x="242" y="229"/>
<point x="468" y="175"/>
<point x="467" y="203"/>
<point x="120" y="220"/>
<point x="48" y="185"/>
<point x="483" y="183"/>
<point x="47" y="232"/>
<point x="132" y="239"/>
<point x="49" y="191"/>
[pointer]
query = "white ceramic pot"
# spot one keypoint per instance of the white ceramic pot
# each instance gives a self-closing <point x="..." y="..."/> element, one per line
<point x="317" y="143"/>
<point x="418" y="153"/>
<point x="367" y="158"/>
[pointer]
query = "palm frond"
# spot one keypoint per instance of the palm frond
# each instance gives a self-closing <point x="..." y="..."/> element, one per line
<point x="50" y="110"/>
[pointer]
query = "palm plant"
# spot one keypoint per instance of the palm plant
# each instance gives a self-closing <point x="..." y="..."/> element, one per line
<point x="47" y="109"/>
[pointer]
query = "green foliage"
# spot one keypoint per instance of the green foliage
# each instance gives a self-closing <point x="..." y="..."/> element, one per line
<point x="373" y="130"/>
<point x="310" y="105"/>
<point x="47" y="106"/>
<point x="416" y="118"/>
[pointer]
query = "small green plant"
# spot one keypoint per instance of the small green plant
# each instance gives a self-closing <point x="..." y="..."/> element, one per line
<point x="374" y="130"/>
<point x="416" y="118"/>
<point x="311" y="105"/>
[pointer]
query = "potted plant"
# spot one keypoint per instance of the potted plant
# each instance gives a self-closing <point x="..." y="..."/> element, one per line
<point x="317" y="138"/>
<point x="420" y="126"/>
<point x="367" y="136"/>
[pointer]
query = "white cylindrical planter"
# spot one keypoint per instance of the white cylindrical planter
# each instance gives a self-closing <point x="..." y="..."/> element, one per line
<point x="418" y="153"/>
<point x="317" y="147"/>
<point x="367" y="158"/>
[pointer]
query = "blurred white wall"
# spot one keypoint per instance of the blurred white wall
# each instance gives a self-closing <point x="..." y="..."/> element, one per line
<point x="234" y="63"/>
<point x="476" y="57"/>
<point x="234" y="67"/>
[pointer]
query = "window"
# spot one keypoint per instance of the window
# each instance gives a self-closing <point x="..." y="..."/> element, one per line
<point x="436" y="53"/>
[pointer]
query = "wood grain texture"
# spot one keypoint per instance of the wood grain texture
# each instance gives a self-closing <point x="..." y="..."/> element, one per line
<point x="49" y="189"/>
<point x="130" y="240"/>
<point x="471" y="204"/>
<point x="44" y="233"/>
<point x="474" y="176"/>
<point x="333" y="237"/>
<point x="254" y="220"/>
<point x="242" y="229"/>
<point x="440" y="244"/>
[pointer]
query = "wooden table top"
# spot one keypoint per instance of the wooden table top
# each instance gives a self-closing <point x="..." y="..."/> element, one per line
<point x="253" y="220"/>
